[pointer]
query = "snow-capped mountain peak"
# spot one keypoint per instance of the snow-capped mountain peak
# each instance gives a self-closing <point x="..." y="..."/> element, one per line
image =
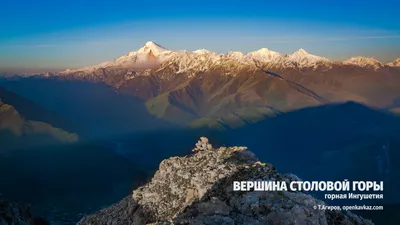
<point x="395" y="63"/>
<point x="301" y="52"/>
<point x="201" y="51"/>
<point x="150" y="52"/>
<point x="265" y="51"/>
<point x="152" y="44"/>
<point x="148" y="56"/>
<point x="264" y="55"/>
<point x="301" y="58"/>
<point x="235" y="55"/>
<point x="363" y="62"/>
<point x="153" y="47"/>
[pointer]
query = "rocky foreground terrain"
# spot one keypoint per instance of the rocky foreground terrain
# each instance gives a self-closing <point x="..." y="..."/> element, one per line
<point x="13" y="213"/>
<point x="18" y="214"/>
<point x="197" y="189"/>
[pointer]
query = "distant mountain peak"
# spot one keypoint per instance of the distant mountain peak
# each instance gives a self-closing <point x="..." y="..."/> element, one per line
<point x="153" y="47"/>
<point x="265" y="51"/>
<point x="361" y="58"/>
<point x="301" y="58"/>
<point x="264" y="55"/>
<point x="301" y="51"/>
<point x="235" y="54"/>
<point x="201" y="51"/>
<point x="148" y="56"/>
<point x="395" y="63"/>
<point x="363" y="62"/>
<point x="152" y="44"/>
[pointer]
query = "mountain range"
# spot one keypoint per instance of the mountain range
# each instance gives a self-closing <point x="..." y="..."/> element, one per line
<point x="153" y="54"/>
<point x="203" y="88"/>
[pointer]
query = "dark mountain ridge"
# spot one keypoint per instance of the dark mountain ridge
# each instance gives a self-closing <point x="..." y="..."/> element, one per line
<point x="17" y="132"/>
<point x="97" y="109"/>
<point x="34" y="112"/>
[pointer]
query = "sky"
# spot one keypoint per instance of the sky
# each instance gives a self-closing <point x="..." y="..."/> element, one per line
<point x="48" y="35"/>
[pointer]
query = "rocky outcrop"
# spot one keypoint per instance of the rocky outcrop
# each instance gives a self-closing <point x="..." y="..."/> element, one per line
<point x="197" y="189"/>
<point x="14" y="214"/>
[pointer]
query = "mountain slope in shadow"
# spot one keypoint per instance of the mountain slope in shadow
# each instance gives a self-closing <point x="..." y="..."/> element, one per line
<point x="34" y="112"/>
<point x="58" y="173"/>
<point x="331" y="142"/>
<point x="96" y="108"/>
<point x="63" y="181"/>
<point x="310" y="142"/>
<point x="17" y="132"/>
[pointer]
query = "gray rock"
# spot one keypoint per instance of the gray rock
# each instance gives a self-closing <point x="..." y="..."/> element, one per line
<point x="14" y="214"/>
<point x="198" y="189"/>
<point x="214" y="207"/>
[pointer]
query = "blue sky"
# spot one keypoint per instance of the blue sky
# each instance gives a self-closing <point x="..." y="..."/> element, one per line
<point x="51" y="35"/>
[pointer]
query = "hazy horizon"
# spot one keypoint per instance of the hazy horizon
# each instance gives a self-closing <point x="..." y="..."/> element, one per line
<point x="49" y="37"/>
